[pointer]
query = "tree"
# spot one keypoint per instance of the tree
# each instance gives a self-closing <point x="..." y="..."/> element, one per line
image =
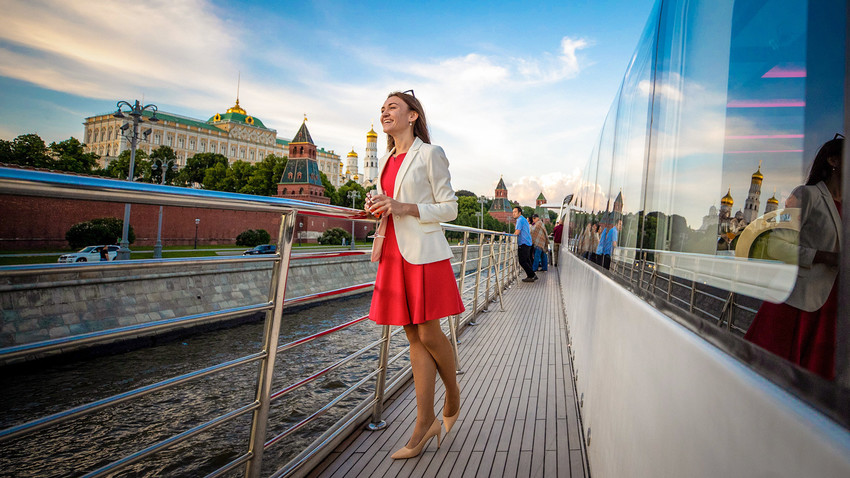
<point x="120" y="167"/>
<point x="527" y="211"/>
<point x="105" y="230"/>
<point x="464" y="193"/>
<point x="164" y="156"/>
<point x="266" y="176"/>
<point x="467" y="205"/>
<point x="196" y="167"/>
<point x="334" y="236"/>
<point x="26" y="150"/>
<point x="70" y="155"/>
<point x="330" y="190"/>
<point x="253" y="237"/>
<point x="343" y="199"/>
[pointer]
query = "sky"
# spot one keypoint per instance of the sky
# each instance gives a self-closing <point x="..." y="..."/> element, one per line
<point x="517" y="90"/>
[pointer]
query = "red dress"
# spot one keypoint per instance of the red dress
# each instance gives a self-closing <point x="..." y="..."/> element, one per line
<point x="408" y="293"/>
<point x="805" y="338"/>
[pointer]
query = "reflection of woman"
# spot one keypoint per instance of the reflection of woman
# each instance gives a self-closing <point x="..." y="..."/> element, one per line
<point x="802" y="329"/>
<point x="415" y="283"/>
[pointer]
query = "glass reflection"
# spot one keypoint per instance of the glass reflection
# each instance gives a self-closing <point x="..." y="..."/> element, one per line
<point x="802" y="329"/>
<point x="697" y="170"/>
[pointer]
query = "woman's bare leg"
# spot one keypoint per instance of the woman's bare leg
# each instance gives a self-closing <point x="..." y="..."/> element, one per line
<point x="424" y="378"/>
<point x="432" y="337"/>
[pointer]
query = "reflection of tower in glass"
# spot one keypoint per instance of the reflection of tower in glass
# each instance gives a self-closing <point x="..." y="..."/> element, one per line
<point x="751" y="206"/>
<point x="618" y="206"/>
<point x="772" y="203"/>
<point x="724" y="219"/>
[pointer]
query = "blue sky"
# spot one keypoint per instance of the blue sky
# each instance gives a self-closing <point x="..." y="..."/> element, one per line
<point x="518" y="89"/>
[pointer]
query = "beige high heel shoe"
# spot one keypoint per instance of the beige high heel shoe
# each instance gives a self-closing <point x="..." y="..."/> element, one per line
<point x="450" y="421"/>
<point x="404" y="453"/>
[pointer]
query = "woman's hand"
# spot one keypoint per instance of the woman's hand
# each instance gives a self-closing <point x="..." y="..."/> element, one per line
<point x="380" y="204"/>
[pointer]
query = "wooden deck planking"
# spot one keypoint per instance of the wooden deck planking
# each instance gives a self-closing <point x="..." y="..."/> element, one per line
<point x="518" y="409"/>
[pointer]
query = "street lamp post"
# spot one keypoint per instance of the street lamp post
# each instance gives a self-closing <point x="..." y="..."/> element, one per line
<point x="481" y="200"/>
<point x="133" y="137"/>
<point x="300" y="232"/>
<point x="353" y="195"/>
<point x="197" y="221"/>
<point x="164" y="165"/>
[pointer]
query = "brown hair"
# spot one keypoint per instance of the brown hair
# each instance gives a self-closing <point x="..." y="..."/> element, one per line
<point x="420" y="126"/>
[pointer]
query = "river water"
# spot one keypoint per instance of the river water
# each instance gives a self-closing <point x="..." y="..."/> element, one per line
<point x="83" y="445"/>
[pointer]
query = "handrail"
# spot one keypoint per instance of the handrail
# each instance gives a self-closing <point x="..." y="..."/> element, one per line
<point x="56" y="185"/>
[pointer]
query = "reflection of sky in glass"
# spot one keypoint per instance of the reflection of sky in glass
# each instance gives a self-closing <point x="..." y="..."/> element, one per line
<point x="766" y="99"/>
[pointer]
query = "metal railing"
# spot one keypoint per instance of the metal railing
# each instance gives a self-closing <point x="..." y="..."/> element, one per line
<point x="499" y="271"/>
<point x="724" y="308"/>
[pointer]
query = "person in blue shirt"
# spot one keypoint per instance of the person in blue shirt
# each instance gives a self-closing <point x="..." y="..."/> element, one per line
<point x="608" y="242"/>
<point x="523" y="233"/>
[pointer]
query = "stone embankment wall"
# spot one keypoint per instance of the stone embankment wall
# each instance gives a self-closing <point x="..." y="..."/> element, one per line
<point x="37" y="305"/>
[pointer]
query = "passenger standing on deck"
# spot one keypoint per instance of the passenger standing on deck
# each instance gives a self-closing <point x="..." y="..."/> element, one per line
<point x="556" y="240"/>
<point x="803" y="328"/>
<point x="523" y="233"/>
<point x="415" y="286"/>
<point x="602" y="246"/>
<point x="540" y="241"/>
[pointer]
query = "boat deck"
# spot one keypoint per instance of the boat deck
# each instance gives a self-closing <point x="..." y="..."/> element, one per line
<point x="518" y="413"/>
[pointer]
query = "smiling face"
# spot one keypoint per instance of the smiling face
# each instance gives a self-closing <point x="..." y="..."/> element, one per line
<point x="396" y="116"/>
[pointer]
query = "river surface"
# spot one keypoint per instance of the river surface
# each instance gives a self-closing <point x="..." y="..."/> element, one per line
<point x="85" y="444"/>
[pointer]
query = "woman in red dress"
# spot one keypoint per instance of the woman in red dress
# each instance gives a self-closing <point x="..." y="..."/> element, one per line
<point x="802" y="329"/>
<point x="415" y="285"/>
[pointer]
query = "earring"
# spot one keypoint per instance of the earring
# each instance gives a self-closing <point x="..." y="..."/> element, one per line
<point x="410" y="124"/>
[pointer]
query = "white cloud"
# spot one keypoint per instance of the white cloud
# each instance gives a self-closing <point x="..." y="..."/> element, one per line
<point x="493" y="114"/>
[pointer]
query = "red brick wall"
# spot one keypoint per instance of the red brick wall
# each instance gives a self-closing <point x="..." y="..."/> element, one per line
<point x="41" y="223"/>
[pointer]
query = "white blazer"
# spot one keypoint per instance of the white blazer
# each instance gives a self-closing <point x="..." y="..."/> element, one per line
<point x="820" y="230"/>
<point x="423" y="179"/>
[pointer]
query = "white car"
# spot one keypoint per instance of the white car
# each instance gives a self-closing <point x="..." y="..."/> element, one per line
<point x="89" y="254"/>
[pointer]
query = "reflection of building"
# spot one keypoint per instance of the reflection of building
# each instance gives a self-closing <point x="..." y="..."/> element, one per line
<point x="709" y="221"/>
<point x="500" y="209"/>
<point x="751" y="206"/>
<point x="234" y="134"/>
<point x="724" y="219"/>
<point x="772" y="203"/>
<point x="300" y="179"/>
<point x="618" y="206"/>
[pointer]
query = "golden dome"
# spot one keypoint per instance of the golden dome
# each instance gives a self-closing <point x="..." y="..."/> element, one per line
<point x="758" y="175"/>
<point x="727" y="199"/>
<point x="371" y="133"/>
<point x="236" y="108"/>
<point x="352" y="153"/>
<point x="773" y="199"/>
<point x="356" y="177"/>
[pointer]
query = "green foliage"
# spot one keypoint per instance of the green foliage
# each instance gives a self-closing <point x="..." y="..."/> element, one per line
<point x="105" y="230"/>
<point x="253" y="237"/>
<point x="159" y="158"/>
<point x="30" y="150"/>
<point x="527" y="211"/>
<point x="266" y="176"/>
<point x="334" y="236"/>
<point x="119" y="168"/>
<point x="464" y="193"/>
<point x="330" y="190"/>
<point x="196" y="167"/>
<point x="344" y="200"/>
<point x="70" y="155"/>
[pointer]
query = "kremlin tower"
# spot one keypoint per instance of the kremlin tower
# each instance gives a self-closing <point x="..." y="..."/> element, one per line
<point x="370" y="161"/>
<point x="772" y="203"/>
<point x="500" y="209"/>
<point x="301" y="179"/>
<point x="351" y="172"/>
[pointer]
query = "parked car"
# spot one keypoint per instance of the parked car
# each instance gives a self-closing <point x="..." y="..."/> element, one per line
<point x="261" y="249"/>
<point x="90" y="254"/>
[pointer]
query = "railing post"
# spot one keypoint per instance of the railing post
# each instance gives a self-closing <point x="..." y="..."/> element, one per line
<point x="453" y="320"/>
<point x="490" y="260"/>
<point x="271" y="333"/>
<point x="497" y="283"/>
<point x="377" y="422"/>
<point x="693" y="295"/>
<point x="477" y="278"/>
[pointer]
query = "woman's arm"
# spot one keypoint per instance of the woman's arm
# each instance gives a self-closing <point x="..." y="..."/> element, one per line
<point x="445" y="207"/>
